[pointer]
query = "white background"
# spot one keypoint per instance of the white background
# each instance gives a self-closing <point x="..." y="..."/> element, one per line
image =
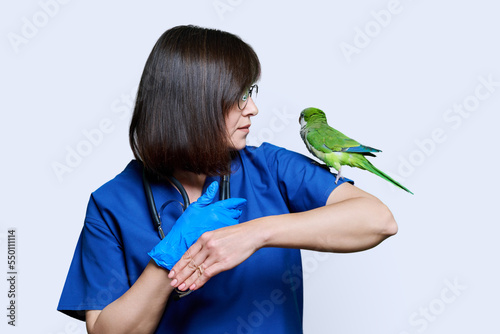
<point x="82" y="62"/>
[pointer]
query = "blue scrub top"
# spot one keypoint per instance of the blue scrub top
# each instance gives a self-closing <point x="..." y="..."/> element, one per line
<point x="261" y="295"/>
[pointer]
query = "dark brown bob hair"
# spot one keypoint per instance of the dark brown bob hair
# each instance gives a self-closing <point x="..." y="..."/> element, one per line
<point x="191" y="80"/>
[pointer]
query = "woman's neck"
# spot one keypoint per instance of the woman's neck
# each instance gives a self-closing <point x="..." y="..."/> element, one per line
<point x="193" y="183"/>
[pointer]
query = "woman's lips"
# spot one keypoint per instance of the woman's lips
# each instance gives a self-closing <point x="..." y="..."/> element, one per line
<point x="245" y="128"/>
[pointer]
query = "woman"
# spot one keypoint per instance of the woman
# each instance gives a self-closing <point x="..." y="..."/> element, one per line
<point x="191" y="119"/>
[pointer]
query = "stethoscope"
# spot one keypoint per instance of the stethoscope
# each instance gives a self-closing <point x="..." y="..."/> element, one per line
<point x="224" y="193"/>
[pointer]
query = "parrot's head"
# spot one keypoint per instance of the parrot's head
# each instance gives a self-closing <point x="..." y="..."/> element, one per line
<point x="309" y="114"/>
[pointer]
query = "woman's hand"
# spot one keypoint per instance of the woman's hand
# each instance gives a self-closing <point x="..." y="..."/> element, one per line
<point x="214" y="252"/>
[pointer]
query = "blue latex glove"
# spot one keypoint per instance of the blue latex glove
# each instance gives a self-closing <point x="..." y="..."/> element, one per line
<point x="200" y="217"/>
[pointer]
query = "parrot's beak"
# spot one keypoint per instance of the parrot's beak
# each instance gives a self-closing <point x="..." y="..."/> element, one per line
<point x="301" y="120"/>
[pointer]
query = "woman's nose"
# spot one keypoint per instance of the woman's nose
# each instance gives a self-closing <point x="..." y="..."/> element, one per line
<point x="251" y="108"/>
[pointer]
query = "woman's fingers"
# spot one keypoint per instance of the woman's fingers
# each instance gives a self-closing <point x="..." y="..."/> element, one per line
<point x="214" y="252"/>
<point x="185" y="263"/>
<point x="198" y="276"/>
<point x="192" y="265"/>
<point x="208" y="273"/>
<point x="201" y="271"/>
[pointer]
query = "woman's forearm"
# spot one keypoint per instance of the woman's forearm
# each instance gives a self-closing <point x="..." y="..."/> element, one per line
<point x="352" y="220"/>
<point x="139" y="310"/>
<point x="351" y="225"/>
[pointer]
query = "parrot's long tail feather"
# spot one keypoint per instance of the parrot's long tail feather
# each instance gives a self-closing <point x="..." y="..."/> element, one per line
<point x="369" y="167"/>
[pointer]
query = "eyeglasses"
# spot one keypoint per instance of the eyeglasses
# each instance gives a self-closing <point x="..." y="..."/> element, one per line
<point x="242" y="103"/>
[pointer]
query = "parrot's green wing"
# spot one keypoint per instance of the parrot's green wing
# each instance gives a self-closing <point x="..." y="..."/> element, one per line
<point x="326" y="139"/>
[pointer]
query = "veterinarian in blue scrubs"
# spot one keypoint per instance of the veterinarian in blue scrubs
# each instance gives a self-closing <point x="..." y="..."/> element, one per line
<point x="192" y="116"/>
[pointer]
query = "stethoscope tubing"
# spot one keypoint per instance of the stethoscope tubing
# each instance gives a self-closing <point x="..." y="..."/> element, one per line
<point x="151" y="203"/>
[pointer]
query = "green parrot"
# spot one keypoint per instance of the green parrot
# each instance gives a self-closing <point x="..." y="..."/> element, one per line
<point x="334" y="148"/>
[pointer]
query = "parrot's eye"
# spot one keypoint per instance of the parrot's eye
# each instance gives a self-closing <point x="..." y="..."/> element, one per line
<point x="242" y="103"/>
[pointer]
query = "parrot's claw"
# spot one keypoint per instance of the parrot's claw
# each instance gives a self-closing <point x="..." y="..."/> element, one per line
<point x="338" y="176"/>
